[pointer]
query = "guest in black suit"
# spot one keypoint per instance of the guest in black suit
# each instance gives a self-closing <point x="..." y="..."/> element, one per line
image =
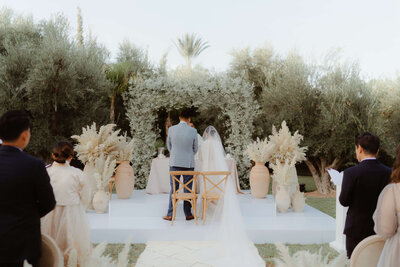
<point x="25" y="194"/>
<point x="361" y="187"/>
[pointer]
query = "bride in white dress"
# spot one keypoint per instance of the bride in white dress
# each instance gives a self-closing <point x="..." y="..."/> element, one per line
<point x="232" y="247"/>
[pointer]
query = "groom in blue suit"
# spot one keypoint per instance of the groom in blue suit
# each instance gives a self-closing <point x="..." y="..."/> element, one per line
<point x="182" y="145"/>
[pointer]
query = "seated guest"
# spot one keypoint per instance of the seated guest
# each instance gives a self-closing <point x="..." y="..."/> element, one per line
<point x="25" y="194"/>
<point x="361" y="187"/>
<point x="386" y="218"/>
<point x="67" y="223"/>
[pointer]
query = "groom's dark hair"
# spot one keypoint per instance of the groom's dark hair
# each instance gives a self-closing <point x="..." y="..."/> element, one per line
<point x="369" y="142"/>
<point x="185" y="113"/>
<point x="12" y="124"/>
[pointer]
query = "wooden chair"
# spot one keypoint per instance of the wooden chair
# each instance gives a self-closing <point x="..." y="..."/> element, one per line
<point x="180" y="195"/>
<point x="367" y="252"/>
<point x="209" y="194"/>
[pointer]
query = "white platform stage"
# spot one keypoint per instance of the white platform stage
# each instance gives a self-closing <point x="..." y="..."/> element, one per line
<point x="140" y="218"/>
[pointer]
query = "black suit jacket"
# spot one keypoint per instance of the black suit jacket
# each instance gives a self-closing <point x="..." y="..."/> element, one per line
<point x="25" y="196"/>
<point x="361" y="187"/>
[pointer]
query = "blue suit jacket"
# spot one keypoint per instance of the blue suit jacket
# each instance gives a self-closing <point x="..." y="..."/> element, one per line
<point x="25" y="196"/>
<point x="182" y="145"/>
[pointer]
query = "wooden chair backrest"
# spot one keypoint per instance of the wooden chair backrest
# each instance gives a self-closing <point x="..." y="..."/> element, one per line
<point x="176" y="178"/>
<point x="220" y="185"/>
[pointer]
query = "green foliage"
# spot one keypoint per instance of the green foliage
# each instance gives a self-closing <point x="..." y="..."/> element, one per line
<point x="232" y="96"/>
<point x="190" y="46"/>
<point x="43" y="71"/>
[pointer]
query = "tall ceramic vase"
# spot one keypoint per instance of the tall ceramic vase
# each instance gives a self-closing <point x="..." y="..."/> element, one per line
<point x="124" y="180"/>
<point x="259" y="180"/>
<point x="100" y="201"/>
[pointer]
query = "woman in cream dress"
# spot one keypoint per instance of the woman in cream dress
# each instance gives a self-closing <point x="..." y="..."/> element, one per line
<point x="387" y="218"/>
<point x="67" y="223"/>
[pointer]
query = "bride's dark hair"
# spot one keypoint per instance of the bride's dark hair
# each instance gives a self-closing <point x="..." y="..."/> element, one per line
<point x="62" y="151"/>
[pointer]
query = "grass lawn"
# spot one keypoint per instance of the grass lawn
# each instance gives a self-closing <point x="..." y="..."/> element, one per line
<point x="267" y="251"/>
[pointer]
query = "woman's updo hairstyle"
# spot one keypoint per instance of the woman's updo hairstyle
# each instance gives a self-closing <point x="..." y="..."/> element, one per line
<point x="62" y="151"/>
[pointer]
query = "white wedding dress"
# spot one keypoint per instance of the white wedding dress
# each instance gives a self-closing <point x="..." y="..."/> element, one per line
<point x="225" y="228"/>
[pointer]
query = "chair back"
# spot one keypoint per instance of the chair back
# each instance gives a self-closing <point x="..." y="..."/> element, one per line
<point x="212" y="184"/>
<point x="51" y="254"/>
<point x="367" y="252"/>
<point x="176" y="179"/>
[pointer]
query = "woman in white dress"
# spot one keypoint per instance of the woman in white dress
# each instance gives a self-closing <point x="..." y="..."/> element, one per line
<point x="225" y="228"/>
<point x="67" y="223"/>
<point x="387" y="218"/>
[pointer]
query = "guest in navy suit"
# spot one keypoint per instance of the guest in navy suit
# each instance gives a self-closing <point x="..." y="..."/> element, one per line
<point x="361" y="187"/>
<point x="25" y="194"/>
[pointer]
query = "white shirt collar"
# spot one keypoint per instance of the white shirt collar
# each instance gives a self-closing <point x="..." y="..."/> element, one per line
<point x="182" y="122"/>
<point x="371" y="158"/>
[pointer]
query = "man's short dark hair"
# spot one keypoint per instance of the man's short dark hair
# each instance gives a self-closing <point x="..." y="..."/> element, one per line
<point x="186" y="113"/>
<point x="12" y="124"/>
<point x="369" y="142"/>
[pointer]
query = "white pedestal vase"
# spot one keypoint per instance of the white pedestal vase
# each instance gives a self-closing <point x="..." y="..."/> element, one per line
<point x="259" y="180"/>
<point x="100" y="201"/>
<point x="124" y="180"/>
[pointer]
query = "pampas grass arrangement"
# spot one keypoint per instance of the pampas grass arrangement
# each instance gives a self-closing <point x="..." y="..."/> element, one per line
<point x="91" y="144"/>
<point x="285" y="145"/>
<point x="104" y="169"/>
<point x="306" y="259"/>
<point x="125" y="149"/>
<point x="259" y="151"/>
<point x="281" y="172"/>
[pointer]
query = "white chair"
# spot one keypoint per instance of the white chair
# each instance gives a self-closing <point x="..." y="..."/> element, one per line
<point x="367" y="252"/>
<point x="51" y="254"/>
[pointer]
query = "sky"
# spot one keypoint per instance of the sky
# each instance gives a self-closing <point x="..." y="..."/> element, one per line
<point x="366" y="31"/>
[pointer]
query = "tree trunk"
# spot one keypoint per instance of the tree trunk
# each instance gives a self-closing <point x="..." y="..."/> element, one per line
<point x="112" y="109"/>
<point x="318" y="169"/>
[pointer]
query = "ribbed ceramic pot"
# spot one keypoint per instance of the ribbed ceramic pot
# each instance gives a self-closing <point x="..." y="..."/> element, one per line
<point x="89" y="171"/>
<point x="259" y="180"/>
<point x="124" y="180"/>
<point x="100" y="201"/>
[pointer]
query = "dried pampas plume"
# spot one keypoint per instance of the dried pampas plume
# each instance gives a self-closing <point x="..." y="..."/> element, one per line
<point x="306" y="259"/>
<point x="91" y="144"/>
<point x="259" y="151"/>
<point x="286" y="146"/>
<point x="104" y="169"/>
<point x="125" y="149"/>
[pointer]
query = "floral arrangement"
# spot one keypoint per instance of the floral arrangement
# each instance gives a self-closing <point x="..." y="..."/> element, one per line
<point x="104" y="169"/>
<point x="91" y="144"/>
<point x="306" y="259"/>
<point x="259" y="151"/>
<point x="281" y="171"/>
<point x="125" y="149"/>
<point x="286" y="146"/>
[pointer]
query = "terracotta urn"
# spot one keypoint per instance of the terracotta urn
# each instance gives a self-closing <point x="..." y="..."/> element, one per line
<point x="282" y="198"/>
<point x="124" y="180"/>
<point x="100" y="201"/>
<point x="259" y="180"/>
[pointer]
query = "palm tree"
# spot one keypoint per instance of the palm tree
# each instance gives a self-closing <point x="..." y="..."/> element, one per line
<point x="190" y="46"/>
